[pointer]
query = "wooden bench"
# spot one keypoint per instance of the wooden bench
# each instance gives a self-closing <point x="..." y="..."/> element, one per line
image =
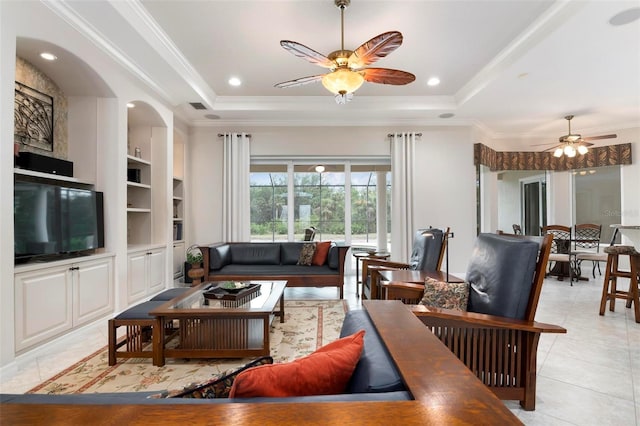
<point x="137" y="339"/>
<point x="445" y="392"/>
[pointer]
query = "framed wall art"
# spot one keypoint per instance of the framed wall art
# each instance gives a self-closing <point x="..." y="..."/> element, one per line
<point x="33" y="117"/>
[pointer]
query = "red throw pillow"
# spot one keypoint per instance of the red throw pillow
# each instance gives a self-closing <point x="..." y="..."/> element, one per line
<point x="325" y="372"/>
<point x="322" y="250"/>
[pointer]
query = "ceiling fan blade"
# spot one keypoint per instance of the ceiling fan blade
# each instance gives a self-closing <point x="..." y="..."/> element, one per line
<point x="595" y="138"/>
<point x="544" y="144"/>
<point x="553" y="148"/>
<point x="300" y="81"/>
<point x="387" y="76"/>
<point x="374" y="49"/>
<point x="304" y="52"/>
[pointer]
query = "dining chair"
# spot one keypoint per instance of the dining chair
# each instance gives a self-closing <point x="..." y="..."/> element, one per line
<point x="560" y="257"/>
<point x="587" y="246"/>
<point x="309" y="233"/>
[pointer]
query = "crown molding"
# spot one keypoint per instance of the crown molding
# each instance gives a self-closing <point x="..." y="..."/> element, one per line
<point x="137" y="16"/>
<point x="65" y="11"/>
<point x="540" y="28"/>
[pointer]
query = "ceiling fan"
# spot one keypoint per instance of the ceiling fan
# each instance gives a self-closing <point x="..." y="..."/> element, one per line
<point x="573" y="143"/>
<point x="347" y="72"/>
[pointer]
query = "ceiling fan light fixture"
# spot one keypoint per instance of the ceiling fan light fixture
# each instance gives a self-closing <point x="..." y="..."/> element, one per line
<point x="569" y="151"/>
<point x="582" y="150"/>
<point x="342" y="81"/>
<point x="558" y="152"/>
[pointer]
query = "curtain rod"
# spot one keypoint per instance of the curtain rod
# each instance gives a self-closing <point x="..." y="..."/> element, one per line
<point x="393" y="134"/>
<point x="237" y="134"/>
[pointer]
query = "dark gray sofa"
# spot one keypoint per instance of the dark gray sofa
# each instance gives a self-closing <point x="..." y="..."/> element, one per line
<point x="375" y="378"/>
<point x="273" y="261"/>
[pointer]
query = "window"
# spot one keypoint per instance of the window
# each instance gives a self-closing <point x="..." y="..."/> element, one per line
<point x="320" y="202"/>
<point x="597" y="198"/>
<point x="366" y="200"/>
<point x="342" y="202"/>
<point x="268" y="195"/>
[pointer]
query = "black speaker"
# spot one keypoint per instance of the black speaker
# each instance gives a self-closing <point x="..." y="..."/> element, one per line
<point x="44" y="164"/>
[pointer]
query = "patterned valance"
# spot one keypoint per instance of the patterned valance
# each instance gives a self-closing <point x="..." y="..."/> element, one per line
<point x="600" y="156"/>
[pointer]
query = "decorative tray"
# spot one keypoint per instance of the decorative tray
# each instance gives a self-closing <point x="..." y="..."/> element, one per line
<point x="222" y="292"/>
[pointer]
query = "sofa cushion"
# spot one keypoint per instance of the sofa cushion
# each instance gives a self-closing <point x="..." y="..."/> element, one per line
<point x="219" y="256"/>
<point x="267" y="271"/>
<point x="289" y="253"/>
<point x="500" y="274"/>
<point x="324" y="372"/>
<point x="376" y="371"/>
<point x="169" y="294"/>
<point x="306" y="254"/>
<point x="141" y="310"/>
<point x="440" y="294"/>
<point x="322" y="251"/>
<point x="333" y="257"/>
<point x="255" y="253"/>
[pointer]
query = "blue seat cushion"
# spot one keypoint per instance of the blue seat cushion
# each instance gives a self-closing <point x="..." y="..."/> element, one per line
<point x="141" y="311"/>
<point x="273" y="270"/>
<point x="167" y="295"/>
<point x="255" y="253"/>
<point x="376" y="371"/>
<point x="500" y="274"/>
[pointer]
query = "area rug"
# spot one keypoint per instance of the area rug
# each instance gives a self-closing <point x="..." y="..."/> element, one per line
<point x="309" y="324"/>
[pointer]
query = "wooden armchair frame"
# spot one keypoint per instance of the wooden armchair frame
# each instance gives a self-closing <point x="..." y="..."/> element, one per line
<point x="501" y="352"/>
<point x="372" y="267"/>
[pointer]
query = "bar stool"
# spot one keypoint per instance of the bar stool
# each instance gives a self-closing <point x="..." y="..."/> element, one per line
<point x="609" y="289"/>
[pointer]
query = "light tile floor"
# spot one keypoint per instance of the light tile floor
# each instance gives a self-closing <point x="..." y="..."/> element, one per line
<point x="589" y="376"/>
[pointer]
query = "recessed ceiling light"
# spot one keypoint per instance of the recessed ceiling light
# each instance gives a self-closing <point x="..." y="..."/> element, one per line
<point x="235" y="81"/>
<point x="523" y="75"/>
<point x="212" y="116"/>
<point x="131" y="105"/>
<point x="446" y="115"/>
<point x="48" y="56"/>
<point x="625" y="17"/>
<point x="433" y="81"/>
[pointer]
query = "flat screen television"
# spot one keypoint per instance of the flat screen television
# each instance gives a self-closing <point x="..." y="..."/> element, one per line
<point x="52" y="221"/>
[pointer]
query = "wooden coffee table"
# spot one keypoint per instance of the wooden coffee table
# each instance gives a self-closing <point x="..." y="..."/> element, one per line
<point x="216" y="328"/>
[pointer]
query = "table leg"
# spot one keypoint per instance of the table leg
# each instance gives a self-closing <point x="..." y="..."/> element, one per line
<point x="157" y="342"/>
<point x="282" y="308"/>
<point x="266" y="345"/>
<point x="357" y="277"/>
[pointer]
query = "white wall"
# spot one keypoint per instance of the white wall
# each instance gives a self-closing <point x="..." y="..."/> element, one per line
<point x="445" y="194"/>
<point x="630" y="180"/>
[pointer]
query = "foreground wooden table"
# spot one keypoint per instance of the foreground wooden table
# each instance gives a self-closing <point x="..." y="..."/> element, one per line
<point x="445" y="393"/>
<point x="211" y="329"/>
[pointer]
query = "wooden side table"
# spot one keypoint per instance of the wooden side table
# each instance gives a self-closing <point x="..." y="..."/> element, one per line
<point x="359" y="255"/>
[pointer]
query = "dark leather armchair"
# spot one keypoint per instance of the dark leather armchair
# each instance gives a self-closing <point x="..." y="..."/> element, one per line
<point x="427" y="252"/>
<point x="497" y="338"/>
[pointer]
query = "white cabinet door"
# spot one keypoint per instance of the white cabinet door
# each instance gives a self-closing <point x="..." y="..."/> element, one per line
<point x="43" y="300"/>
<point x="93" y="290"/>
<point x="136" y="276"/>
<point x="178" y="260"/>
<point x="156" y="270"/>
